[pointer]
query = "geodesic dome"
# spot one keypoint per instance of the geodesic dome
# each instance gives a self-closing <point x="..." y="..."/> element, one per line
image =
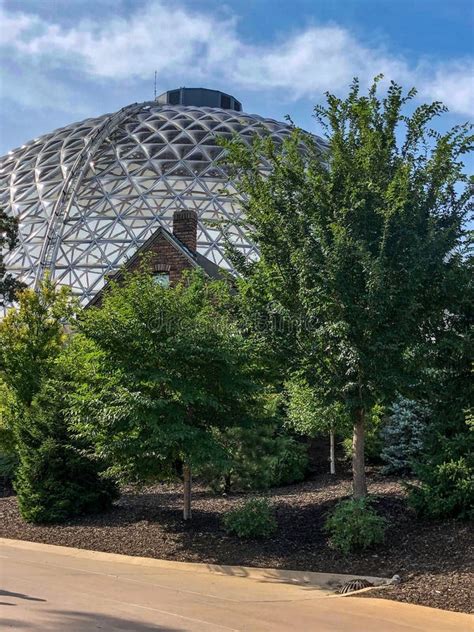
<point x="89" y="194"/>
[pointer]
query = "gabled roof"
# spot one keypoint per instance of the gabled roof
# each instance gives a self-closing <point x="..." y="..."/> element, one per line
<point x="145" y="247"/>
<point x="195" y="258"/>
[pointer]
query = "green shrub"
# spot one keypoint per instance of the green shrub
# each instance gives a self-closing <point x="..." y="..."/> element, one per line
<point x="55" y="479"/>
<point x="9" y="412"/>
<point x="253" y="519"/>
<point x="8" y="465"/>
<point x="445" y="469"/>
<point x="258" y="458"/>
<point x="355" y="525"/>
<point x="446" y="491"/>
<point x="290" y="463"/>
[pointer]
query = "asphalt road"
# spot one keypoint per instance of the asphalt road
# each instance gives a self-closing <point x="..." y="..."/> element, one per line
<point x="42" y="588"/>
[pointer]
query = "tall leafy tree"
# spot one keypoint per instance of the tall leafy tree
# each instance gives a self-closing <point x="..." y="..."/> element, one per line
<point x="8" y="240"/>
<point x="32" y="337"/>
<point x="172" y="370"/>
<point x="306" y="415"/>
<point x="356" y="242"/>
<point x="55" y="478"/>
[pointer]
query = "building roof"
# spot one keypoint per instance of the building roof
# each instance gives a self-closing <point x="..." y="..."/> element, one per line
<point x="90" y="193"/>
<point x="196" y="259"/>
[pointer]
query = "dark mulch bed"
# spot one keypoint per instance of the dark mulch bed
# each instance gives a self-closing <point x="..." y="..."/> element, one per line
<point x="435" y="560"/>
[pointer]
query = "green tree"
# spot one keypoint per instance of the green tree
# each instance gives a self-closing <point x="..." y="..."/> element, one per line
<point x="403" y="435"/>
<point x="55" y="478"/>
<point x="32" y="337"/>
<point x="257" y="457"/>
<point x="309" y="416"/>
<point x="171" y="371"/>
<point x="8" y="450"/>
<point x="356" y="242"/>
<point x="8" y="414"/>
<point x="446" y="466"/>
<point x="8" y="240"/>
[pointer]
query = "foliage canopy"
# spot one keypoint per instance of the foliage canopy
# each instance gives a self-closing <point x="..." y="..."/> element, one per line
<point x="8" y="240"/>
<point x="357" y="243"/>
<point x="169" y="370"/>
<point x="55" y="478"/>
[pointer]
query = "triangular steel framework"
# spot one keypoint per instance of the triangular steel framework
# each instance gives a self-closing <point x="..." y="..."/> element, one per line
<point x="90" y="193"/>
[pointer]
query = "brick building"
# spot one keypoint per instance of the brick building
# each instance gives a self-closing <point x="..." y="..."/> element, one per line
<point x="169" y="254"/>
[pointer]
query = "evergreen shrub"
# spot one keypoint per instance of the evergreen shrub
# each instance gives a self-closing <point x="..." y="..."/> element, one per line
<point x="258" y="458"/>
<point x="446" y="490"/>
<point x="55" y="479"/>
<point x="403" y="436"/>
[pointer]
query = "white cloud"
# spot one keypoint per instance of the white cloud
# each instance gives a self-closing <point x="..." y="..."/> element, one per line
<point x="313" y="61"/>
<point x="190" y="45"/>
<point x="15" y="26"/>
<point x="453" y="84"/>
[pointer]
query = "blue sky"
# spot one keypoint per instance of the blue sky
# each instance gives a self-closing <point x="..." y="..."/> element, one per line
<point x="65" y="60"/>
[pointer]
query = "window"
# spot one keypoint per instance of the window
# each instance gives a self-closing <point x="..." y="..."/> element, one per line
<point x="162" y="278"/>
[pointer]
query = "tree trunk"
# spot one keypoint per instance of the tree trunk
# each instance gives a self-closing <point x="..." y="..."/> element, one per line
<point x="332" y="457"/>
<point x="358" y="456"/>
<point x="227" y="483"/>
<point x="187" y="492"/>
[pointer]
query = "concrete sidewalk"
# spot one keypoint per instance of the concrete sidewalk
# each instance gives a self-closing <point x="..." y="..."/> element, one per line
<point x="57" y="589"/>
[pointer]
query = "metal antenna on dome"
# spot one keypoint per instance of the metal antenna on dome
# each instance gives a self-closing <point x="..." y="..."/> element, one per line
<point x="155" y="85"/>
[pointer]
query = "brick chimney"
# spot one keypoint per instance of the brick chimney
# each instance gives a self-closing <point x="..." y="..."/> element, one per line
<point x="185" y="228"/>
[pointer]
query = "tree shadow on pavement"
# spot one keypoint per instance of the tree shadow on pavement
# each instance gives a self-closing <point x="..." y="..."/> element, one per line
<point x="7" y="593"/>
<point x="77" y="621"/>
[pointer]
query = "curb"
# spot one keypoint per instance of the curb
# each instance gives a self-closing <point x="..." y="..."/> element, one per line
<point x="327" y="581"/>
